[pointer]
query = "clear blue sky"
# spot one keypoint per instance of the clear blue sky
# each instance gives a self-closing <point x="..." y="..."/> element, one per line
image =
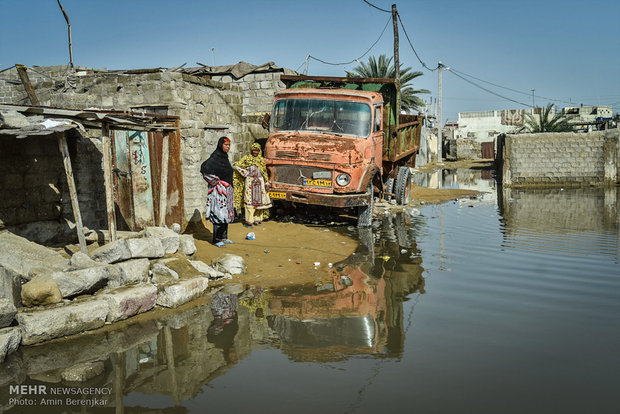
<point x="565" y="50"/>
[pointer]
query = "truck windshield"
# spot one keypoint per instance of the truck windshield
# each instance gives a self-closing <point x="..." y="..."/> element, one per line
<point x="324" y="116"/>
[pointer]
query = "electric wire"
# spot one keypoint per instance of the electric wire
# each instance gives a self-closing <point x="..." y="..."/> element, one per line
<point x="4" y="70"/>
<point x="412" y="48"/>
<point x="378" y="8"/>
<point x="463" y="75"/>
<point x="357" y="59"/>
<point x="488" y="90"/>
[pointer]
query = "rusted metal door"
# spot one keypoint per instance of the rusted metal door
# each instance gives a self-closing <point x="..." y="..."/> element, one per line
<point x="488" y="150"/>
<point x="134" y="189"/>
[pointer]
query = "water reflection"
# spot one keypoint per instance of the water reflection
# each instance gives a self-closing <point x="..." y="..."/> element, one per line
<point x="161" y="359"/>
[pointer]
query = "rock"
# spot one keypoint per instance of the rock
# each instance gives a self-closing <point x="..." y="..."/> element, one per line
<point x="176" y="227"/>
<point x="232" y="289"/>
<point x="163" y="274"/>
<point x="7" y="312"/>
<point x="27" y="259"/>
<point x="325" y="287"/>
<point x="40" y="291"/>
<point x="39" y="325"/>
<point x="81" y="281"/>
<point x="169" y="239"/>
<point x="229" y="263"/>
<point x="202" y="267"/>
<point x="187" y="245"/>
<point x="83" y="372"/>
<point x="129" y="301"/>
<point x="112" y="252"/>
<point x="183" y="291"/>
<point x="9" y="341"/>
<point x="81" y="260"/>
<point x="130" y="272"/>
<point x="149" y="247"/>
<point x="10" y="286"/>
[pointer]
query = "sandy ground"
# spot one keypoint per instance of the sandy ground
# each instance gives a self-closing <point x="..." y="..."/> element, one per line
<point x="282" y="254"/>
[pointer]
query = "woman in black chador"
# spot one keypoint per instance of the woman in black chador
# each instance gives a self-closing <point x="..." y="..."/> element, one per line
<point x="218" y="173"/>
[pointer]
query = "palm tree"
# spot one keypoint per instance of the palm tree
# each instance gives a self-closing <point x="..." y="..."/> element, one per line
<point x="546" y="123"/>
<point x="383" y="68"/>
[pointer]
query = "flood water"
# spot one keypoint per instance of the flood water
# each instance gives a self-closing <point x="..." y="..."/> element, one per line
<point x="508" y="303"/>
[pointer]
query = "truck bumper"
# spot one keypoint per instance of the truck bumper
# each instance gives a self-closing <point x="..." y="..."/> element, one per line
<point x="329" y="200"/>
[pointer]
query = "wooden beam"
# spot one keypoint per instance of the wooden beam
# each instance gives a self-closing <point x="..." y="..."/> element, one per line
<point x="109" y="181"/>
<point x="64" y="151"/>
<point x="163" y="182"/>
<point x="23" y="75"/>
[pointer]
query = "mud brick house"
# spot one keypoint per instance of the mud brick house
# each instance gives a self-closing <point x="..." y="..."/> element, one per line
<point x="207" y="102"/>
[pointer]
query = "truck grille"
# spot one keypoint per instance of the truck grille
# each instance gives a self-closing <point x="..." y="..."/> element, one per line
<point x="294" y="174"/>
<point x="315" y="156"/>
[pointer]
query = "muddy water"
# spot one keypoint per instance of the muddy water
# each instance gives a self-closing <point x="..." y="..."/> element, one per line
<point x="508" y="303"/>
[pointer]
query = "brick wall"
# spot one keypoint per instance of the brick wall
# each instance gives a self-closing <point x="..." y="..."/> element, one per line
<point x="207" y="109"/>
<point x="560" y="159"/>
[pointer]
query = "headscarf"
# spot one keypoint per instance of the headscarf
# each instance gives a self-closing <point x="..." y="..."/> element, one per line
<point x="218" y="163"/>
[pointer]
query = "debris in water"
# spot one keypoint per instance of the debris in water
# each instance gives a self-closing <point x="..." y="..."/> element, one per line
<point x="385" y="258"/>
<point x="317" y="263"/>
<point x="266" y="251"/>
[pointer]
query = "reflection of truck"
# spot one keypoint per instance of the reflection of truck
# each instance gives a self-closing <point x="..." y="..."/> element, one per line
<point x="335" y="141"/>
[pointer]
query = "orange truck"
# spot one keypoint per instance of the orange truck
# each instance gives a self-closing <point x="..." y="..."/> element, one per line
<point x="337" y="142"/>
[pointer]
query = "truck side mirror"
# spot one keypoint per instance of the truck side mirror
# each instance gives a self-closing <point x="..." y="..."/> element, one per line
<point x="265" y="123"/>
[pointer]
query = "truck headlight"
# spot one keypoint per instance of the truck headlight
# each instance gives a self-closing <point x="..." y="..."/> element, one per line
<point x="343" y="179"/>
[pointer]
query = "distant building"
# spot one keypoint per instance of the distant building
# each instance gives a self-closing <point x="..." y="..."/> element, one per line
<point x="484" y="126"/>
<point x="588" y="117"/>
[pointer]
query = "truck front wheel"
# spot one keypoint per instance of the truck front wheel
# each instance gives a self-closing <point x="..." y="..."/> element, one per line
<point x="402" y="189"/>
<point x="364" y="213"/>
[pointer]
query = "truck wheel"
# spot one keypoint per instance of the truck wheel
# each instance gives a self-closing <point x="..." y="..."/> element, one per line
<point x="389" y="188"/>
<point x="403" y="186"/>
<point x="364" y="213"/>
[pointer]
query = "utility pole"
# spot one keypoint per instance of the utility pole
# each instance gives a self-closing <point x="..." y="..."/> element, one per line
<point x="439" y="126"/>
<point x="533" y="101"/>
<point x="212" y="57"/>
<point x="69" y="29"/>
<point x="396" y="60"/>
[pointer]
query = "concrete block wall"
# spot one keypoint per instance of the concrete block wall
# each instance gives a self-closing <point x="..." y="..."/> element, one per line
<point x="561" y="159"/>
<point x="258" y="90"/>
<point x="34" y="194"/>
<point x="31" y="180"/>
<point x="468" y="149"/>
<point x="207" y="109"/>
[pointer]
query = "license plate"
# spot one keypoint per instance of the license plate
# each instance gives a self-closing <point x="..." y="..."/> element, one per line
<point x="317" y="183"/>
<point x="276" y="194"/>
